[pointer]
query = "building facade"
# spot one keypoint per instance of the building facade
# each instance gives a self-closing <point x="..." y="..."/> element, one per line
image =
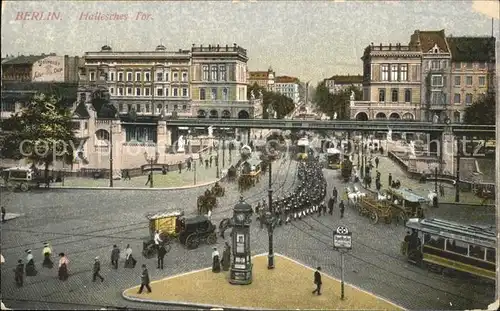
<point x="391" y="83"/>
<point x="264" y="79"/>
<point x="436" y="68"/>
<point x="289" y="87"/>
<point x="472" y="72"/>
<point x="339" y="83"/>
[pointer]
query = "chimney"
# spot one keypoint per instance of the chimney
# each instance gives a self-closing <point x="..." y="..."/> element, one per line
<point x="390" y="46"/>
<point x="227" y="47"/>
<point x="194" y="44"/>
<point x="380" y="46"/>
<point x="209" y="47"/>
<point x="234" y="45"/>
<point x="218" y="47"/>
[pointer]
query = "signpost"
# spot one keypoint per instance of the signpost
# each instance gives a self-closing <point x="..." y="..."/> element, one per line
<point x="342" y="241"/>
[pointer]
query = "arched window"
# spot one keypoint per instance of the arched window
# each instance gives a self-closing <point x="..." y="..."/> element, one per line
<point x="203" y="94"/>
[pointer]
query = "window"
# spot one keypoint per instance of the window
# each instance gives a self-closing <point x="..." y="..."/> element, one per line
<point x="385" y="73"/>
<point x="482" y="81"/>
<point x="203" y="95"/>
<point x="184" y="107"/>
<point x="175" y="76"/>
<point x="214" y="94"/>
<point x="394" y="96"/>
<point x="468" y="99"/>
<point x="457" y="80"/>
<point x="138" y="91"/>
<point x="394" y="72"/>
<point x="206" y="73"/>
<point x="482" y="65"/>
<point x="166" y="76"/>
<point x="476" y="252"/>
<point x="159" y="92"/>
<point x="224" y="94"/>
<point x="138" y="76"/>
<point x="129" y="107"/>
<point x="138" y="108"/>
<point x="214" y="73"/>
<point x="184" y="76"/>
<point x="159" y="76"/>
<point x="129" y="76"/>
<point x="407" y="96"/>
<point x="159" y="108"/>
<point x="381" y="95"/>
<point x="147" y="91"/>
<point x="435" y="64"/>
<point x="120" y="76"/>
<point x="437" y="80"/>
<point x="490" y="255"/>
<point x="92" y="76"/>
<point x="175" y="107"/>
<point x="456" y="98"/>
<point x="468" y="80"/>
<point x="468" y="66"/>
<point x="129" y="91"/>
<point x="147" y="76"/>
<point x="456" y="246"/>
<point x="147" y="107"/>
<point x="403" y="72"/>
<point x="111" y="76"/>
<point x="120" y="91"/>
<point x="112" y="90"/>
<point x="175" y="92"/>
<point x="222" y="72"/>
<point x="185" y="92"/>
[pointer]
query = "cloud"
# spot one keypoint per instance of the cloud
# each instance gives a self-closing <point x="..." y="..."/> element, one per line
<point x="488" y="8"/>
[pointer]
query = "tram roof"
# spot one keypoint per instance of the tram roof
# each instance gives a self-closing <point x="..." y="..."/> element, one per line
<point x="303" y="142"/>
<point x="408" y="195"/>
<point x="159" y="215"/>
<point x="332" y="151"/>
<point x="452" y="230"/>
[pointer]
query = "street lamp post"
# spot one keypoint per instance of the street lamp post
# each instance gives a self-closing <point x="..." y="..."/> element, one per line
<point x="111" y="155"/>
<point x="457" y="182"/>
<point x="217" y="163"/>
<point x="224" y="151"/>
<point x="151" y="160"/>
<point x="270" y="222"/>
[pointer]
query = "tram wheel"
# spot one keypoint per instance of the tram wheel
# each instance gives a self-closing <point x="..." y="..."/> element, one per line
<point x="24" y="187"/>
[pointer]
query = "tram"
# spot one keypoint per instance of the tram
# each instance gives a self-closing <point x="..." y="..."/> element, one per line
<point x="302" y="148"/>
<point x="333" y="158"/>
<point x="451" y="246"/>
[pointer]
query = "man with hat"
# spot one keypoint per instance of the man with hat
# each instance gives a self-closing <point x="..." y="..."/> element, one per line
<point x="30" y="264"/>
<point x="47" y="252"/>
<point x="97" y="270"/>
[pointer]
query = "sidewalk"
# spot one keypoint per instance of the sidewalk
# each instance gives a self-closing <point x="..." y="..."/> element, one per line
<point x="289" y="286"/>
<point x="387" y="166"/>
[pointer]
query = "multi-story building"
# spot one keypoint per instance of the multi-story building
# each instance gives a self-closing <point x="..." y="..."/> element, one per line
<point x="288" y="86"/>
<point x="339" y="83"/>
<point x="219" y="82"/>
<point x="436" y="68"/>
<point x="264" y="79"/>
<point x="391" y="83"/>
<point x="472" y="72"/>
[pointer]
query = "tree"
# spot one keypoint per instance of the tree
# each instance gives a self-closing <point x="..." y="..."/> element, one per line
<point x="330" y="104"/>
<point x="42" y="132"/>
<point x="482" y="111"/>
<point x="279" y="103"/>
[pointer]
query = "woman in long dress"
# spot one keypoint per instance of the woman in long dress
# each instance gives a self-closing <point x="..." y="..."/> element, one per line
<point x="129" y="259"/>
<point x="215" y="261"/>
<point x="30" y="264"/>
<point x="63" y="267"/>
<point x="226" y="257"/>
<point x="47" y="252"/>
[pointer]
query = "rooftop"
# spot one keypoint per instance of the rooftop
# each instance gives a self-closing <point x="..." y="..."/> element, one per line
<point x="426" y="40"/>
<point x="23" y="60"/>
<point x="472" y="49"/>
<point x="286" y="79"/>
<point x="342" y="79"/>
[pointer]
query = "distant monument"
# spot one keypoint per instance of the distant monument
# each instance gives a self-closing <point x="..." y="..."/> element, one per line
<point x="210" y="131"/>
<point x="180" y="144"/>
<point x="252" y="95"/>
<point x="412" y="154"/>
<point x="389" y="134"/>
<point x="352" y="95"/>
<point x="335" y="116"/>
<point x="260" y="94"/>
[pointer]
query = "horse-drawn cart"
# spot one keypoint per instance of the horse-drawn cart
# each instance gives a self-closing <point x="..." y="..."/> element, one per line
<point x="375" y="209"/>
<point x="405" y="204"/>
<point x="250" y="174"/>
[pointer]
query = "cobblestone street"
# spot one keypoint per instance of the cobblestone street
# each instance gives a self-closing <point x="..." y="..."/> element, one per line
<point x="85" y="224"/>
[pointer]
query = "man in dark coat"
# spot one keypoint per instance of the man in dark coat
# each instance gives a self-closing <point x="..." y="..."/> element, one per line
<point x="390" y="180"/>
<point x="150" y="178"/>
<point x="317" y="281"/>
<point x="19" y="273"/>
<point x="226" y="257"/>
<point x="179" y="166"/>
<point x="331" y="203"/>
<point x="334" y="194"/>
<point x="97" y="270"/>
<point x="115" y="256"/>
<point x="3" y="213"/>
<point x="376" y="162"/>
<point x="342" y="208"/>
<point x="211" y="160"/>
<point x="144" y="280"/>
<point x="161" y="255"/>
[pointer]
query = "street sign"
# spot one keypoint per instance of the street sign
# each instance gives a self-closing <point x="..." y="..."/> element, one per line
<point x="342" y="238"/>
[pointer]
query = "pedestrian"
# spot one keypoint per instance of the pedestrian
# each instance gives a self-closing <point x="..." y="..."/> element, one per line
<point x="161" y="255"/>
<point x="115" y="256"/>
<point x="226" y="257"/>
<point x="334" y="194"/>
<point x="215" y="261"/>
<point x="164" y="170"/>
<point x="157" y="239"/>
<point x="144" y="280"/>
<point x="97" y="270"/>
<point x="3" y="213"/>
<point x="376" y="162"/>
<point x="342" y="209"/>
<point x="179" y="166"/>
<point x="441" y="190"/>
<point x="188" y="163"/>
<point x="209" y="214"/>
<point x="150" y="178"/>
<point x="378" y="185"/>
<point x="130" y="261"/>
<point x="126" y="175"/>
<point x="317" y="281"/>
<point x="323" y="206"/>
<point x="211" y="160"/>
<point x="63" y="267"/>
<point x="30" y="264"/>
<point x="47" y="252"/>
<point x="390" y="180"/>
<point x="206" y="163"/>
<point x="19" y="273"/>
<point x="331" y="204"/>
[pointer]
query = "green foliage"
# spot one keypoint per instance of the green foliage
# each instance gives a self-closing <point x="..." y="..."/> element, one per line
<point x="43" y="129"/>
<point x="482" y="111"/>
<point x="346" y="168"/>
<point x="279" y="103"/>
<point x="329" y="103"/>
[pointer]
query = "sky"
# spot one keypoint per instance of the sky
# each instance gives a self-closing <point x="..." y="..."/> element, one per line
<point x="311" y="40"/>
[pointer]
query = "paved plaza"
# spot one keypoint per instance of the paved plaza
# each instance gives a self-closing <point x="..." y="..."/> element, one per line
<point x="85" y="224"/>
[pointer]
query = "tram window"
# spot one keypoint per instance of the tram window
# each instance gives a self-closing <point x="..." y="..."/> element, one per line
<point x="490" y="255"/>
<point x="476" y="252"/>
<point x="457" y="247"/>
<point x="434" y="241"/>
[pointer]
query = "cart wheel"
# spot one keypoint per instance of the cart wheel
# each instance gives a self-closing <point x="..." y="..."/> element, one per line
<point x="192" y="241"/>
<point x="212" y="238"/>
<point x="374" y="218"/>
<point x="24" y="187"/>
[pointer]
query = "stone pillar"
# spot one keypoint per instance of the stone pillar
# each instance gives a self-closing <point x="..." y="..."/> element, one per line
<point x="447" y="150"/>
<point x="164" y="139"/>
<point x="118" y="134"/>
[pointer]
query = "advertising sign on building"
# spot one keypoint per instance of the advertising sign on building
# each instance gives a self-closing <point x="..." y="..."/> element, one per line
<point x="49" y="69"/>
